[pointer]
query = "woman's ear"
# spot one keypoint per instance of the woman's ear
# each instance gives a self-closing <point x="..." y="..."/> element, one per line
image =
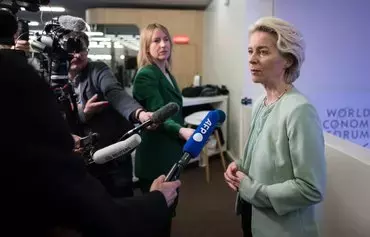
<point x="289" y="61"/>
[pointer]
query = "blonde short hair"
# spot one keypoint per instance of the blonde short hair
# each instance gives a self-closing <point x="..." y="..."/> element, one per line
<point x="289" y="42"/>
<point x="144" y="58"/>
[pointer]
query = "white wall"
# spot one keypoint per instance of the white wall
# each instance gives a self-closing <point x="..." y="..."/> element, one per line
<point x="347" y="198"/>
<point x="225" y="54"/>
<point x="335" y="75"/>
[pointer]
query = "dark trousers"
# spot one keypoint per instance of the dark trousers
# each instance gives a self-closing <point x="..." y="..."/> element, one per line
<point x="145" y="185"/>
<point x="246" y="213"/>
<point x="116" y="176"/>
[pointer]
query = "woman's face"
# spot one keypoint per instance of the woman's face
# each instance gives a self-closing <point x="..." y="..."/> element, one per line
<point x="160" y="47"/>
<point x="265" y="62"/>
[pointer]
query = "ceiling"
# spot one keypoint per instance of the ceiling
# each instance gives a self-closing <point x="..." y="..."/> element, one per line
<point x="78" y="7"/>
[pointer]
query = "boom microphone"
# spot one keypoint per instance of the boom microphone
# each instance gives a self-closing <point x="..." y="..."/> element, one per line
<point x="196" y="142"/>
<point x="73" y="23"/>
<point x="158" y="117"/>
<point x="115" y="150"/>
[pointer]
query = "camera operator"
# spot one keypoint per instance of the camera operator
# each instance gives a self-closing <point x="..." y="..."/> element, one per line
<point x="9" y="32"/>
<point x="108" y="110"/>
<point x="44" y="186"/>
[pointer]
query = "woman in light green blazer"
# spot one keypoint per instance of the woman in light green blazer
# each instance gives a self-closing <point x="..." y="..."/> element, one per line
<point x="282" y="174"/>
<point x="154" y="87"/>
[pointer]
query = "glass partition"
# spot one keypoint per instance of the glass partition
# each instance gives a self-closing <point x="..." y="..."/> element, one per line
<point x="117" y="46"/>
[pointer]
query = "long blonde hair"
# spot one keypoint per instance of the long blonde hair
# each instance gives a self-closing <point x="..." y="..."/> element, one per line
<point x="144" y="58"/>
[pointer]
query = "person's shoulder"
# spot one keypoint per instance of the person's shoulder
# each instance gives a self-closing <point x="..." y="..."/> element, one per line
<point x="15" y="65"/>
<point x="297" y="104"/>
<point x="12" y="57"/>
<point x="295" y="99"/>
<point x="148" y="70"/>
<point x="97" y="65"/>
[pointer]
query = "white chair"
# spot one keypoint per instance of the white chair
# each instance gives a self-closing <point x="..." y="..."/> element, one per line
<point x="195" y="119"/>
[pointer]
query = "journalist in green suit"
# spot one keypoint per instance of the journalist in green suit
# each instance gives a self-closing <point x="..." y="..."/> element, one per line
<point x="282" y="175"/>
<point x="154" y="87"/>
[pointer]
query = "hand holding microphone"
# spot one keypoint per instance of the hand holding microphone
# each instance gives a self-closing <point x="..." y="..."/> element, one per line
<point x="186" y="133"/>
<point x="158" y="117"/>
<point x="144" y="116"/>
<point x="168" y="189"/>
<point x="196" y="142"/>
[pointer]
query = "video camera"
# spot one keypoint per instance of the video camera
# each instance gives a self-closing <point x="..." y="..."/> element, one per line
<point x="57" y="45"/>
<point x="13" y="6"/>
<point x="28" y="5"/>
<point x="53" y="48"/>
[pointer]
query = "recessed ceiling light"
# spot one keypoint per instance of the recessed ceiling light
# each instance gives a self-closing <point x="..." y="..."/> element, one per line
<point x="33" y="23"/>
<point x="52" y="9"/>
<point x="104" y="39"/>
<point x="91" y="33"/>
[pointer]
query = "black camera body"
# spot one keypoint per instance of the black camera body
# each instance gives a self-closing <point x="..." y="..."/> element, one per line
<point x="56" y="44"/>
<point x="29" y="5"/>
<point x="9" y="19"/>
<point x="55" y="49"/>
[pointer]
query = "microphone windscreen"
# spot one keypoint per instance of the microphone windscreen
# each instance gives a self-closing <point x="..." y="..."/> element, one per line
<point x="116" y="150"/>
<point x="165" y="112"/>
<point x="73" y="23"/>
<point x="199" y="138"/>
<point x="221" y="116"/>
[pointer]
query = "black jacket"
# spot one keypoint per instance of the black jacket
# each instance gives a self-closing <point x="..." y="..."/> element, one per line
<point x="43" y="185"/>
<point x="114" y="120"/>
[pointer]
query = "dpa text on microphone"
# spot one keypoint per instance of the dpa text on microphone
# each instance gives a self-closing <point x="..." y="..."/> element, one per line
<point x="115" y="150"/>
<point x="196" y="142"/>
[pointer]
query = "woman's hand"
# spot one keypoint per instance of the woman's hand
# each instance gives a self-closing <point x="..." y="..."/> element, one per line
<point x="233" y="177"/>
<point x="239" y="177"/>
<point x="186" y="133"/>
<point x="230" y="176"/>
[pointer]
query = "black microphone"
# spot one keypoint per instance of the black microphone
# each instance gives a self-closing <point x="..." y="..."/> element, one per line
<point x="196" y="142"/>
<point x="158" y="117"/>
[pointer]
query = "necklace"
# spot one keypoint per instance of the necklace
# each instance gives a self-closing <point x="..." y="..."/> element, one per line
<point x="281" y="95"/>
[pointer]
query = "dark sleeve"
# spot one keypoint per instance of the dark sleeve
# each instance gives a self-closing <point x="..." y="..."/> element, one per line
<point x="114" y="93"/>
<point x="146" y="91"/>
<point x="44" y="184"/>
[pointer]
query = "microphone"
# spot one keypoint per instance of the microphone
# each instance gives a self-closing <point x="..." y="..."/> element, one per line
<point x="115" y="150"/>
<point x="196" y="142"/>
<point x="158" y="117"/>
<point x="73" y="23"/>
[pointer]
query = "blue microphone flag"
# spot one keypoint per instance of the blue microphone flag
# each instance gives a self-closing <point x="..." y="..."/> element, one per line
<point x="199" y="138"/>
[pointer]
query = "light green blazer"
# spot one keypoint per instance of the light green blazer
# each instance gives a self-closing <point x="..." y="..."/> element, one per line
<point x="285" y="163"/>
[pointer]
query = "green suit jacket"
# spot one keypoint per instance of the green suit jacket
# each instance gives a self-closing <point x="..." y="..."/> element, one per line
<point x="160" y="148"/>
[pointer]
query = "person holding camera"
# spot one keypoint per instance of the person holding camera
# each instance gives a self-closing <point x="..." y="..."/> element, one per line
<point x="9" y="34"/>
<point x="45" y="187"/>
<point x="105" y="108"/>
